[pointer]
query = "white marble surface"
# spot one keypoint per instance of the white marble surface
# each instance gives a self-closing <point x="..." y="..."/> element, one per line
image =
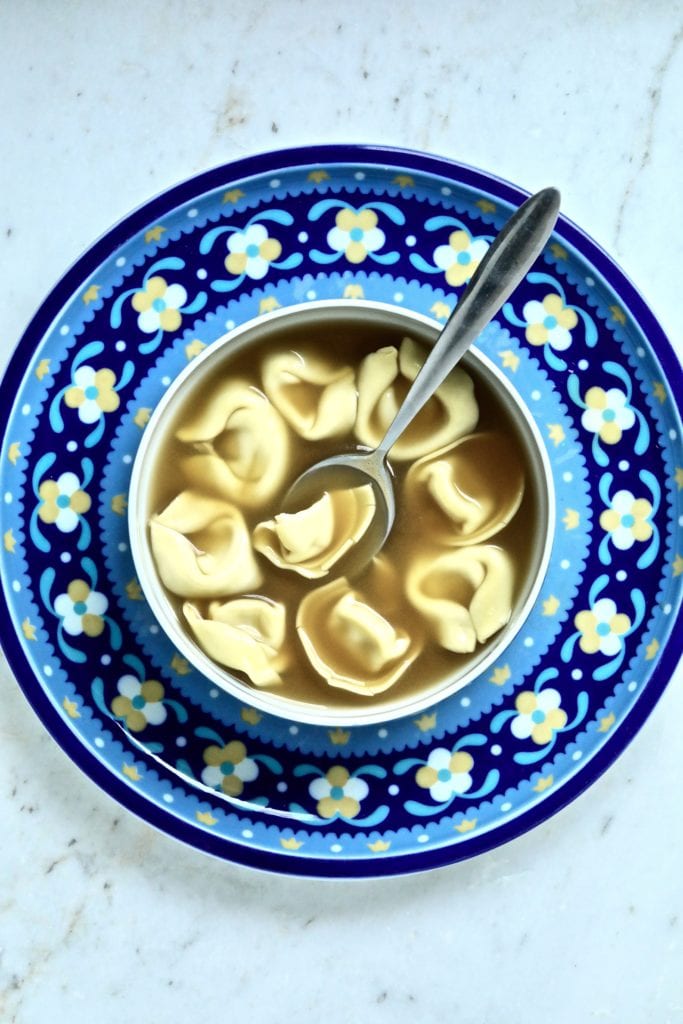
<point x="103" y="920"/>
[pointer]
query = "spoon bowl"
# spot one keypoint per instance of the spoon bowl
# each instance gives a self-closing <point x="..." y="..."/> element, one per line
<point x="346" y="471"/>
<point x="504" y="266"/>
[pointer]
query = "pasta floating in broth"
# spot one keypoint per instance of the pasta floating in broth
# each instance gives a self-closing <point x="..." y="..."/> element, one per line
<point x="311" y="541"/>
<point x="465" y="595"/>
<point x="238" y="444"/>
<point x="316" y="398"/>
<point x="258" y="588"/>
<point x="247" y="633"/>
<point x="202" y="548"/>
<point x="350" y="643"/>
<point x="468" y="491"/>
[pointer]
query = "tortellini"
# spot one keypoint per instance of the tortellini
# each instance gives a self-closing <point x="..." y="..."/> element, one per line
<point x="247" y="633"/>
<point x="242" y="445"/>
<point x="469" y="491"/>
<point x="350" y="643"/>
<point x="311" y="541"/>
<point x="247" y="578"/>
<point x="383" y="380"/>
<point x="316" y="398"/>
<point x="466" y="594"/>
<point x="202" y="549"/>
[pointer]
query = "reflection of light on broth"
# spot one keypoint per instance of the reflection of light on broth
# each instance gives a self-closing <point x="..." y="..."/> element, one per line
<point x="456" y="587"/>
<point x="413" y="529"/>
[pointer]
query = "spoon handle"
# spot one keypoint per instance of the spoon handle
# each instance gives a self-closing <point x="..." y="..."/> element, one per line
<point x="505" y="264"/>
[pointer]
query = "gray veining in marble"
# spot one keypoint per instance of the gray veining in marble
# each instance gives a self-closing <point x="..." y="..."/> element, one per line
<point x="101" y="918"/>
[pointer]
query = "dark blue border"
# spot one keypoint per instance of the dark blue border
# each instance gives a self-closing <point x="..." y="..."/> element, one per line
<point x="161" y="818"/>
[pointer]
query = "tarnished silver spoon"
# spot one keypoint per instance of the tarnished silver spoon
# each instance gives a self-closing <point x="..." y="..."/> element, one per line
<point x="504" y="266"/>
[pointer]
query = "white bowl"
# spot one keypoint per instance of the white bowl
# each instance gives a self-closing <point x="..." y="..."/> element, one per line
<point x="314" y="316"/>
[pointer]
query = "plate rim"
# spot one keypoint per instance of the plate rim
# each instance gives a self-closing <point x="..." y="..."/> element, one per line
<point x="162" y="818"/>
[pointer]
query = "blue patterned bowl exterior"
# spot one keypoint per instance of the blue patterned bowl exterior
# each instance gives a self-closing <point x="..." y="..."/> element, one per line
<point x="538" y="725"/>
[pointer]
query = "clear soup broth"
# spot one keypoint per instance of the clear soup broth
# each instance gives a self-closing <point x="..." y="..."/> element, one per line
<point x="405" y="617"/>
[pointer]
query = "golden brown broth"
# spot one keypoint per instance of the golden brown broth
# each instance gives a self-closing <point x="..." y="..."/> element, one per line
<point x="433" y="664"/>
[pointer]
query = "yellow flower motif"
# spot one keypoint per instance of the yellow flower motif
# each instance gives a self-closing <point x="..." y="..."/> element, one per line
<point x="81" y="609"/>
<point x="460" y="257"/>
<point x="356" y="234"/>
<point x="139" y="703"/>
<point x="228" y="768"/>
<point x="549" y="321"/>
<point x="446" y="774"/>
<point x="539" y="716"/>
<point x="92" y="393"/>
<point x="602" y="627"/>
<point x="63" y="502"/>
<point x="627" y="520"/>
<point x="338" y="794"/>
<point x="607" y="414"/>
<point x="251" y="252"/>
<point x="159" y="304"/>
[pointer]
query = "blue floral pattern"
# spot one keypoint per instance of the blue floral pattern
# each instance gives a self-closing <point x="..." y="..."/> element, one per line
<point x="159" y="304"/>
<point x="550" y="322"/>
<point x="289" y="792"/>
<point x="251" y="250"/>
<point x="356" y="235"/>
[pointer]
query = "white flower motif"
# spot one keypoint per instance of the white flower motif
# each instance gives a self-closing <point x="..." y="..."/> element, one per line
<point x="81" y="609"/>
<point x="602" y="628"/>
<point x="460" y="257"/>
<point x="63" y="502"/>
<point x="337" y="792"/>
<point x="141" y="703"/>
<point x="92" y="393"/>
<point x="159" y="305"/>
<point x="446" y="774"/>
<point x="627" y="520"/>
<point x="228" y="768"/>
<point x="251" y="252"/>
<point x="539" y="715"/>
<point x="355" y="234"/>
<point x="607" y="413"/>
<point x="549" y="321"/>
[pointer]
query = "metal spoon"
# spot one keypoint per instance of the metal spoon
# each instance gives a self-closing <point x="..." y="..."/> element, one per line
<point x="503" y="267"/>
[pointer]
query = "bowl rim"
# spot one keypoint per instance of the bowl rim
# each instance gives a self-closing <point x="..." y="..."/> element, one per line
<point x="269" y="701"/>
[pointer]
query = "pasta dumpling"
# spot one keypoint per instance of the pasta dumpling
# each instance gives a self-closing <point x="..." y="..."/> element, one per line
<point x="311" y="541"/>
<point x="201" y="547"/>
<point x="384" y="377"/>
<point x="246" y="633"/>
<point x="315" y="397"/>
<point x="468" y="491"/>
<point x="350" y="643"/>
<point x="465" y="595"/>
<point x="242" y="445"/>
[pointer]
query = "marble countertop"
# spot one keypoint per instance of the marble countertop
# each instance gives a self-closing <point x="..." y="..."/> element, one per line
<point x="103" y="919"/>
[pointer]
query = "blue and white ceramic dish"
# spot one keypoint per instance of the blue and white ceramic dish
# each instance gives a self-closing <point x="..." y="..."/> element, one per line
<point x="532" y="731"/>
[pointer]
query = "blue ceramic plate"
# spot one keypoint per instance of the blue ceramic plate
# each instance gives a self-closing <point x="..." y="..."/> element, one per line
<point x="530" y="733"/>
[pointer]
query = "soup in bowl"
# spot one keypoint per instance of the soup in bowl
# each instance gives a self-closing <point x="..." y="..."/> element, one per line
<point x="258" y="599"/>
